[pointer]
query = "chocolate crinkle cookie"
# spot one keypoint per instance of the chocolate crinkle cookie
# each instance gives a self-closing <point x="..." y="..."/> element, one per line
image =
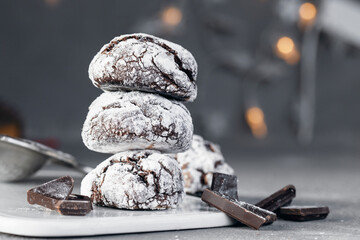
<point x="121" y="121"/>
<point x="198" y="164"/>
<point x="145" y="63"/>
<point x="136" y="180"/>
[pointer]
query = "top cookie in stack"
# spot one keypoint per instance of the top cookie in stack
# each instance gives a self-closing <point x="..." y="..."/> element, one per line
<point x="145" y="63"/>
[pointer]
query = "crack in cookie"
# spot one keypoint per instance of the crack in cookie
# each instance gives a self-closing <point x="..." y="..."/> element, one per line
<point x="156" y="41"/>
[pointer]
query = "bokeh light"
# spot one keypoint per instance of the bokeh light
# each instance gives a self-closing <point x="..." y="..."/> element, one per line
<point x="255" y="119"/>
<point x="286" y="49"/>
<point x="307" y="11"/>
<point x="285" y="45"/>
<point x="171" y="16"/>
<point x="11" y="130"/>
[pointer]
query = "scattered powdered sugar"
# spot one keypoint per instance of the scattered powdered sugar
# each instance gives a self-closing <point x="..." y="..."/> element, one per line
<point x="143" y="179"/>
<point x="263" y="213"/>
<point x="199" y="162"/>
<point x="299" y="207"/>
<point x="145" y="63"/>
<point x="121" y="121"/>
<point x="255" y="209"/>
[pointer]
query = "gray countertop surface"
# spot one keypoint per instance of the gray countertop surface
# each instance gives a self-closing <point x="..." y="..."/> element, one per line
<point x="321" y="179"/>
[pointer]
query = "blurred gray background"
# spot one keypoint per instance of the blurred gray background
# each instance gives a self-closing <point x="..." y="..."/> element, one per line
<point x="47" y="45"/>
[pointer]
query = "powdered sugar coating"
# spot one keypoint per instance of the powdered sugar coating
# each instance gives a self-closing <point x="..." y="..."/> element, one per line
<point x="199" y="162"/>
<point x="145" y="63"/>
<point x="136" y="180"/>
<point x="121" y="121"/>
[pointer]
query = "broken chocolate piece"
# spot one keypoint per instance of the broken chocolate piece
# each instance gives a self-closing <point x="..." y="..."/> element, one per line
<point x="278" y="199"/>
<point x="245" y="213"/>
<point x="55" y="195"/>
<point x="75" y="205"/>
<point x="50" y="193"/>
<point x="225" y="185"/>
<point x="303" y="213"/>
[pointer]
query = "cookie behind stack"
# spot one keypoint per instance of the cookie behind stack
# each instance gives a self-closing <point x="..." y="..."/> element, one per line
<point x="199" y="163"/>
<point x="139" y="117"/>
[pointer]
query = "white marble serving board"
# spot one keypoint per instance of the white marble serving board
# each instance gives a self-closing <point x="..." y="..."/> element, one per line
<point x="20" y="218"/>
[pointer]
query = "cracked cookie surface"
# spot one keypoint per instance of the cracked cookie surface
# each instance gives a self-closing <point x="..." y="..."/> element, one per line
<point x="145" y="63"/>
<point x="199" y="162"/>
<point x="136" y="180"/>
<point x="121" y="121"/>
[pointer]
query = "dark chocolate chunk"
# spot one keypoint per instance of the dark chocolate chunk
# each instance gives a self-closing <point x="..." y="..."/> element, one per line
<point x="225" y="185"/>
<point x="245" y="213"/>
<point x="303" y="213"/>
<point x="75" y="205"/>
<point x="278" y="199"/>
<point x="50" y="193"/>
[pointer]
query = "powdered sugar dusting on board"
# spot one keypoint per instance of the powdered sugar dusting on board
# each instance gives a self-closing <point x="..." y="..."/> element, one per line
<point x="145" y="63"/>
<point x="136" y="180"/>
<point x="199" y="162"/>
<point x="120" y="121"/>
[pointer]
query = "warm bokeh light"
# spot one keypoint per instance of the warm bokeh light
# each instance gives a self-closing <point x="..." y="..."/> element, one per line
<point x="285" y="48"/>
<point x="285" y="45"/>
<point x="255" y="119"/>
<point x="307" y="11"/>
<point x="171" y="16"/>
<point x="11" y="130"/>
<point x="254" y="116"/>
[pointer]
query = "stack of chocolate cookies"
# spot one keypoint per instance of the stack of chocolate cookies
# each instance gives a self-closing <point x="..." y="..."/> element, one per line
<point x="141" y="119"/>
